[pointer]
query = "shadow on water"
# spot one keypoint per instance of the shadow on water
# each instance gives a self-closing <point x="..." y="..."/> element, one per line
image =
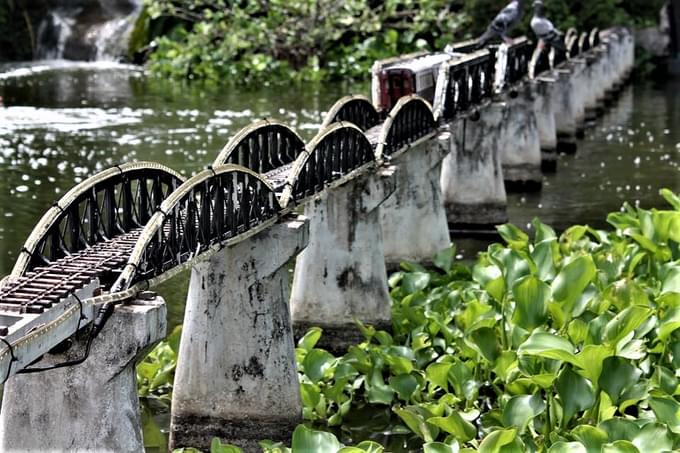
<point x="63" y="122"/>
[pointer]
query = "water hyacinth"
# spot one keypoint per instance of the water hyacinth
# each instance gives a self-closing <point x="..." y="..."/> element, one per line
<point x="549" y="343"/>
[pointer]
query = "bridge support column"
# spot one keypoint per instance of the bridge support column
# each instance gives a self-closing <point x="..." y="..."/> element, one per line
<point x="544" y="89"/>
<point x="88" y="407"/>
<point x="520" y="144"/>
<point x="413" y="219"/>
<point x="579" y="92"/>
<point x="236" y="377"/>
<point x="341" y="275"/>
<point x="472" y="176"/>
<point x="565" y="110"/>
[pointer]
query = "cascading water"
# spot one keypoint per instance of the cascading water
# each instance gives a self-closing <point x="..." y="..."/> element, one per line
<point x="87" y="29"/>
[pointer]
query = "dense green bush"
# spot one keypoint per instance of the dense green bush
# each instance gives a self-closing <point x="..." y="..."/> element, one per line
<point x="282" y="40"/>
<point x="552" y="344"/>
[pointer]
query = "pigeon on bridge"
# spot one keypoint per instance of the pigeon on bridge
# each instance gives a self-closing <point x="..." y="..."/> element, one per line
<point x="505" y="21"/>
<point x="545" y="30"/>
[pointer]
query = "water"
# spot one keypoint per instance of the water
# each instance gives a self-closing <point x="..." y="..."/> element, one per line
<point x="62" y="122"/>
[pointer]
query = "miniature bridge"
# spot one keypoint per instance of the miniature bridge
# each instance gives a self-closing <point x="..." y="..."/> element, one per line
<point x="136" y="225"/>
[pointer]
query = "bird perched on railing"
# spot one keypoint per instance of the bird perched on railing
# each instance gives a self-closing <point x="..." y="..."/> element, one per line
<point x="503" y="23"/>
<point x="545" y="30"/>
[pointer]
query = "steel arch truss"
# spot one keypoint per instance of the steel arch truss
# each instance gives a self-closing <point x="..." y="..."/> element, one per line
<point x="411" y="119"/>
<point x="357" y="110"/>
<point x="334" y="153"/>
<point x="109" y="204"/>
<point x="262" y="147"/>
<point x="212" y="207"/>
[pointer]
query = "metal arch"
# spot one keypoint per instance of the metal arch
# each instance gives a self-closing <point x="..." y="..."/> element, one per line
<point x="540" y="62"/>
<point x="334" y="153"/>
<point x="262" y="147"/>
<point x="572" y="44"/>
<point x="594" y="37"/>
<point x="110" y="203"/>
<point x="410" y="119"/>
<point x="355" y="109"/>
<point x="216" y="205"/>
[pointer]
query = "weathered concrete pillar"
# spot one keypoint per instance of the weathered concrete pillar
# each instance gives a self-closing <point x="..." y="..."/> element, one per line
<point x="88" y="407"/>
<point x="544" y="90"/>
<point x="579" y="92"/>
<point x="236" y="376"/>
<point x="413" y="219"/>
<point x="472" y="175"/>
<point x="341" y="275"/>
<point x="519" y="142"/>
<point x="564" y="107"/>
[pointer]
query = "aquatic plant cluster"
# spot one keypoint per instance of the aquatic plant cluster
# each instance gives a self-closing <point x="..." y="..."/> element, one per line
<point x="278" y="41"/>
<point x="549" y="343"/>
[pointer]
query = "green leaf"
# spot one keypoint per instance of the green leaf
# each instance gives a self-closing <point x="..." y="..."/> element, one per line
<point x="316" y="363"/>
<point x="625" y="322"/>
<point x="310" y="339"/>
<point x="405" y="385"/>
<point x="653" y="438"/>
<point x="516" y="238"/>
<point x="491" y="279"/>
<point x="617" y="376"/>
<point x="416" y="423"/>
<point x="671" y="198"/>
<point x="438" y="447"/>
<point x="531" y="302"/>
<point x="593" y="438"/>
<point x="667" y="410"/>
<point x="308" y="440"/>
<point x="620" y="446"/>
<point x="310" y="394"/>
<point x="575" y="392"/>
<point x="520" y="410"/>
<point x="455" y="425"/>
<point x="495" y="441"/>
<point x="572" y="280"/>
<point x="670" y="322"/>
<point x="485" y="342"/>
<point x="567" y="447"/>
<point x="438" y="374"/>
<point x="216" y="446"/>
<point x="543" y="344"/>
<point x="414" y="282"/>
<point x="444" y="259"/>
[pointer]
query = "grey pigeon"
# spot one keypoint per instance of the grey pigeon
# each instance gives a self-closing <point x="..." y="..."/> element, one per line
<point x="503" y="23"/>
<point x="545" y="30"/>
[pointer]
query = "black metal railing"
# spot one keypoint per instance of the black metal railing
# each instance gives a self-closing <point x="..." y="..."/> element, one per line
<point x="409" y="120"/>
<point x="357" y="110"/>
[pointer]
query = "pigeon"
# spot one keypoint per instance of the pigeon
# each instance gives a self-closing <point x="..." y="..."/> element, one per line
<point x="503" y="23"/>
<point x="545" y="30"/>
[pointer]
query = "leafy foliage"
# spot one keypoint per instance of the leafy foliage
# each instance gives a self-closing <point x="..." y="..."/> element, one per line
<point x="551" y="344"/>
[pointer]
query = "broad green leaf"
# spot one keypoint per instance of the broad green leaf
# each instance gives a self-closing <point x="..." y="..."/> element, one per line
<point x="438" y="374"/>
<point x="377" y="391"/>
<point x="370" y="447"/>
<point x="671" y="198"/>
<point x="415" y="281"/>
<point x="667" y="410"/>
<point x="531" y="302"/>
<point x="455" y="425"/>
<point x="438" y="447"/>
<point x="567" y="447"/>
<point x="444" y="259"/>
<point x="515" y="238"/>
<point x="620" y="429"/>
<point x="495" y="441"/>
<point x="625" y="322"/>
<point x="416" y="423"/>
<point x="310" y="394"/>
<point x="669" y="323"/>
<point x="575" y="392"/>
<point x="405" y="385"/>
<point x="617" y="376"/>
<point x="572" y="280"/>
<point x="591" y="437"/>
<point x="216" y="446"/>
<point x="543" y="256"/>
<point x="308" y="440"/>
<point x="317" y="362"/>
<point x="547" y="345"/>
<point x="491" y="279"/>
<point x="485" y="342"/>
<point x="520" y="410"/>
<point x="653" y="438"/>
<point x="310" y="339"/>
<point x="620" y="446"/>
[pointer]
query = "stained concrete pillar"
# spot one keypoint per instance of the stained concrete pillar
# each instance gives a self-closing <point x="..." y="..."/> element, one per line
<point x="564" y="107"/>
<point x="472" y="175"/>
<point x="519" y="142"/>
<point x="578" y="81"/>
<point x="413" y="219"/>
<point x="236" y="377"/>
<point x="341" y="275"/>
<point x="88" y="407"/>
<point x="544" y="89"/>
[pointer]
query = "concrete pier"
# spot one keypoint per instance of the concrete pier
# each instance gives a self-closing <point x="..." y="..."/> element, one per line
<point x="564" y="107"/>
<point x="341" y="275"/>
<point x="472" y="176"/>
<point x="544" y="89"/>
<point x="88" y="407"/>
<point x="413" y="219"/>
<point x="519" y="142"/>
<point x="236" y="377"/>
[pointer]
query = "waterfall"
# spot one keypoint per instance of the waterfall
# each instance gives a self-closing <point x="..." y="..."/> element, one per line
<point x="87" y="30"/>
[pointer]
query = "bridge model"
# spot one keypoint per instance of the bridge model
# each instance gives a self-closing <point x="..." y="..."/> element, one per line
<point x="450" y="132"/>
